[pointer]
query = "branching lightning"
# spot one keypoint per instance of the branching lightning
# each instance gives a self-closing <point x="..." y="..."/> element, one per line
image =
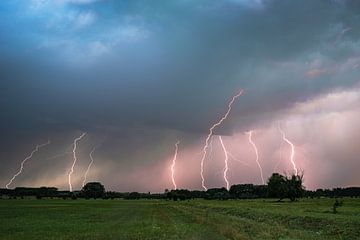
<point x="58" y="156"/>
<point x="226" y="168"/>
<point x="211" y="131"/>
<point x="292" y="155"/>
<point x="89" y="166"/>
<point x="174" y="164"/>
<point x="75" y="159"/>
<point x="66" y="152"/>
<point x="91" y="160"/>
<point x="257" y="156"/>
<point x="237" y="160"/>
<point x="23" y="162"/>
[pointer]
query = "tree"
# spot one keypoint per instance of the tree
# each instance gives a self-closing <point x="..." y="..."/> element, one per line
<point x="133" y="195"/>
<point x="277" y="186"/>
<point x="179" y="194"/>
<point x="248" y="191"/>
<point x="281" y="187"/>
<point x="294" y="187"/>
<point x="93" y="190"/>
<point x="217" y="193"/>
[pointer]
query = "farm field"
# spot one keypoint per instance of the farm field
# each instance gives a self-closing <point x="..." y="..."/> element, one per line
<point x="196" y="219"/>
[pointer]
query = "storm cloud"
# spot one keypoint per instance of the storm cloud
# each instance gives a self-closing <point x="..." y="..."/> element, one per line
<point x="146" y="74"/>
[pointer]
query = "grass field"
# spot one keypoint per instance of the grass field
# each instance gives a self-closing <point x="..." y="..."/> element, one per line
<point x="197" y="219"/>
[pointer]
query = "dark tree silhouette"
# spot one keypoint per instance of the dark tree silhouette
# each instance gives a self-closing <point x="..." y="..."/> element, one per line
<point x="133" y="195"/>
<point x="295" y="188"/>
<point x="179" y="194"/>
<point x="248" y="191"/>
<point x="281" y="187"/>
<point x="217" y="193"/>
<point x="93" y="190"/>
<point x="277" y="187"/>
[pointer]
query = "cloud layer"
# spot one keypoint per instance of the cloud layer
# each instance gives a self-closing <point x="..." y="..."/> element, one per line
<point x="148" y="74"/>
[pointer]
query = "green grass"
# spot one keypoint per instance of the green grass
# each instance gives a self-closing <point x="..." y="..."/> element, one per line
<point x="198" y="219"/>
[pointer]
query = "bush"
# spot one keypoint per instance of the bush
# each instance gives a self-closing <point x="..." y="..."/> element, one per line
<point x="336" y="205"/>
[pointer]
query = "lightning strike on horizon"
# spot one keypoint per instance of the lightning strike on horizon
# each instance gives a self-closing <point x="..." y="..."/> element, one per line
<point x="91" y="160"/>
<point x="23" y="162"/>
<point x="89" y="166"/>
<point x="257" y="155"/>
<point x="75" y="159"/>
<point x="226" y="168"/>
<point x="211" y="130"/>
<point x="173" y="164"/>
<point x="292" y="155"/>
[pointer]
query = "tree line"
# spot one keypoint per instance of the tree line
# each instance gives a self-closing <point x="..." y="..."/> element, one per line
<point x="278" y="186"/>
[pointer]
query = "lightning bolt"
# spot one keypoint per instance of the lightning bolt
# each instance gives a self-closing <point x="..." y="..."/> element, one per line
<point x="58" y="155"/>
<point x="89" y="166"/>
<point x="24" y="161"/>
<point x="66" y="152"/>
<point x="211" y="131"/>
<point x="292" y="155"/>
<point x="173" y="164"/>
<point x="91" y="160"/>
<point x="75" y="159"/>
<point x="257" y="155"/>
<point x="226" y="168"/>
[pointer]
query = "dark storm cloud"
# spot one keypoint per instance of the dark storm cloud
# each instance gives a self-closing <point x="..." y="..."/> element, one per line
<point x="67" y="66"/>
<point x="169" y="64"/>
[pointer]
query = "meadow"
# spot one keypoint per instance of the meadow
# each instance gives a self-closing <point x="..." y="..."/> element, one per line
<point x="194" y="219"/>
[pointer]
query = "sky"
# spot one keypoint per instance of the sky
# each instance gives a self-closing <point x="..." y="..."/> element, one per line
<point x="137" y="76"/>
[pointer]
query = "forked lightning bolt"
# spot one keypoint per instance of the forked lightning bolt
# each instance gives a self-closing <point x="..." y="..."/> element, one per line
<point x="172" y="168"/>
<point x="23" y="162"/>
<point x="292" y="155"/>
<point x="256" y="155"/>
<point x="211" y="131"/>
<point x="75" y="159"/>
<point x="226" y="168"/>
<point x="91" y="160"/>
<point x="89" y="166"/>
<point x="237" y="160"/>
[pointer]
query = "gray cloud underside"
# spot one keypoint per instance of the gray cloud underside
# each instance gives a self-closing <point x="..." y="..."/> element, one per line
<point x="129" y="68"/>
<point x="200" y="54"/>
